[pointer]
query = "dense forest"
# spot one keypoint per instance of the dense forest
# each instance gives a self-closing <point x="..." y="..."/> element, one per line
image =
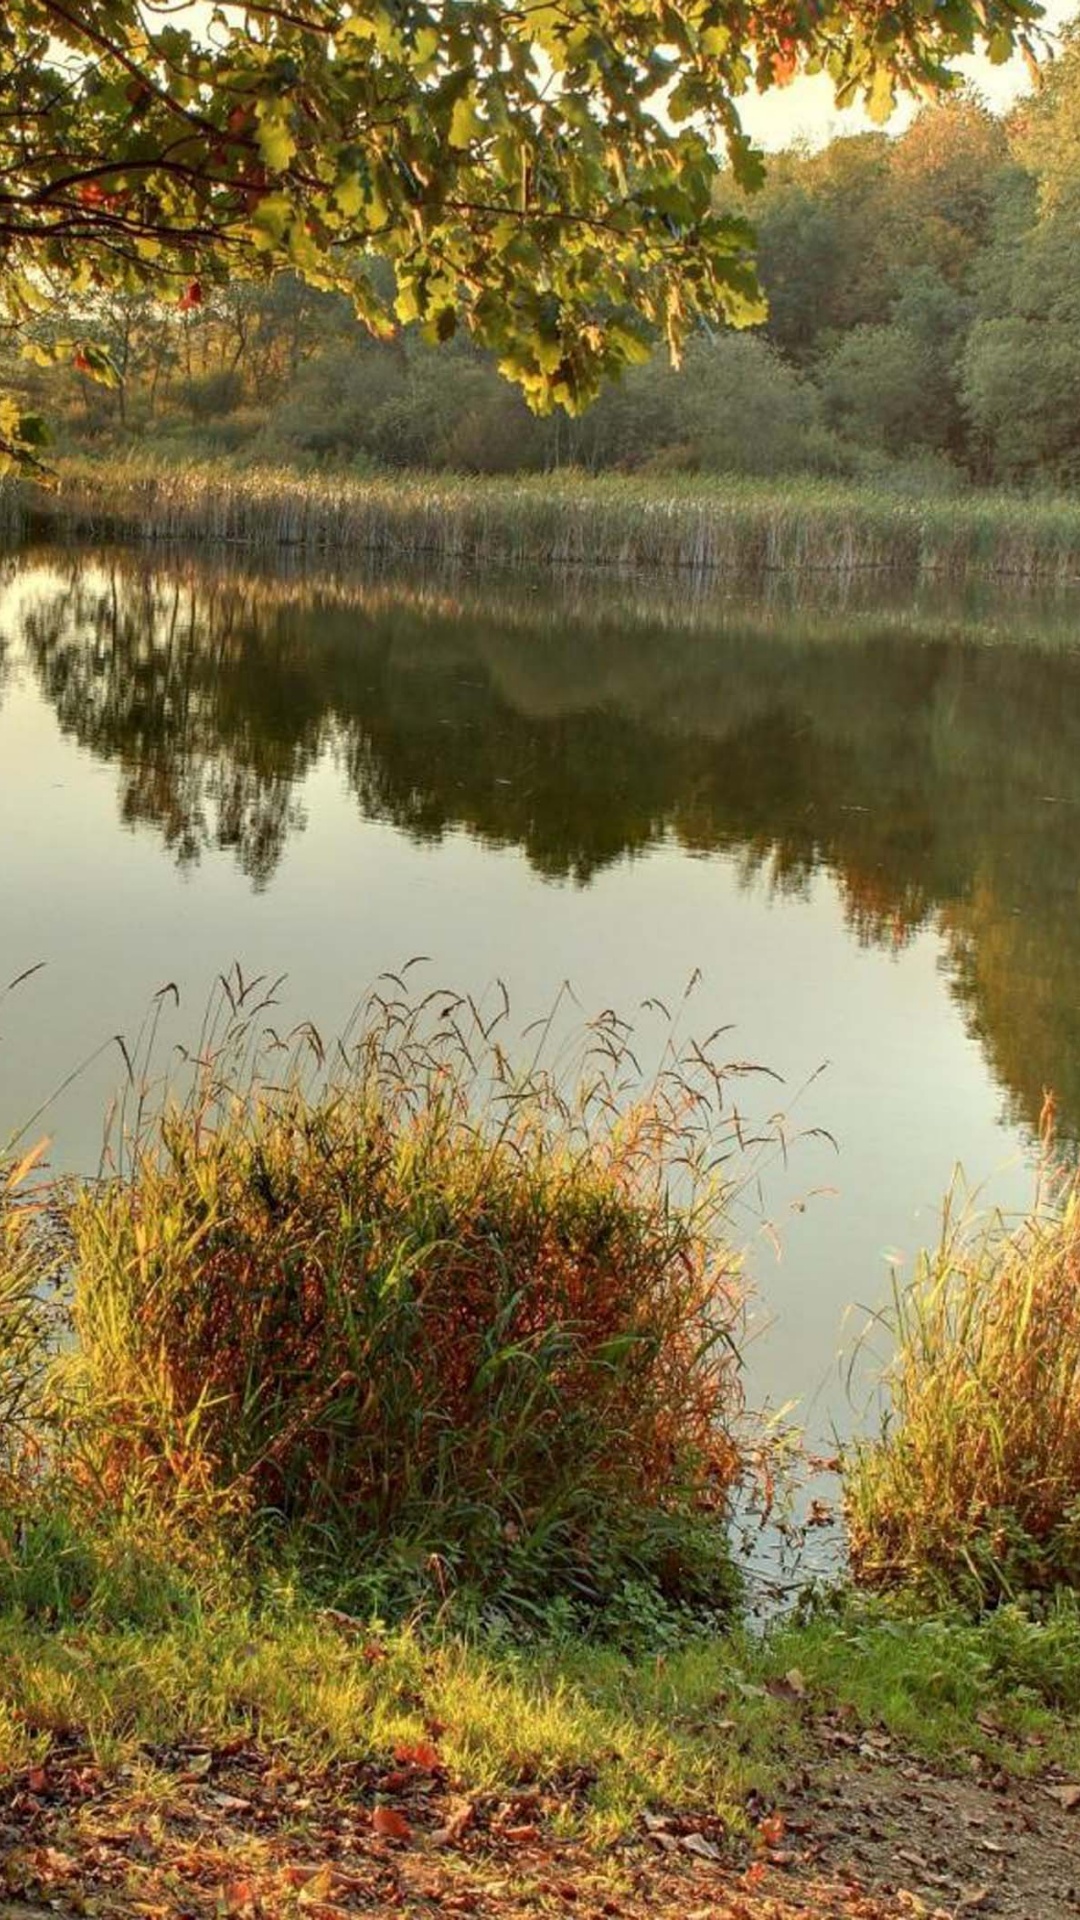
<point x="924" y="300"/>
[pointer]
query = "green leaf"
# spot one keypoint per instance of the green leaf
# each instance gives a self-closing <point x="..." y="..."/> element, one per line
<point x="270" y="220"/>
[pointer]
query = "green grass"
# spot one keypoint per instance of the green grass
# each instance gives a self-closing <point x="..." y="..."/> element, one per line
<point x="1006" y="1688"/>
<point x="644" y="1731"/>
<point x="722" y="525"/>
<point x="698" y="1727"/>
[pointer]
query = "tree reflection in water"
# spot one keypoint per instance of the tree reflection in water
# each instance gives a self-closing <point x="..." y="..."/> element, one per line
<point x="926" y="754"/>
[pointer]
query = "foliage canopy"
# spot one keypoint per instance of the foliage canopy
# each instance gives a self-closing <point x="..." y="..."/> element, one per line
<point x="541" y="172"/>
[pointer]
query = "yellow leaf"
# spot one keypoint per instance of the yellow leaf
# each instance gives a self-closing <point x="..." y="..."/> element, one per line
<point x="465" y="122"/>
<point x="349" y="194"/>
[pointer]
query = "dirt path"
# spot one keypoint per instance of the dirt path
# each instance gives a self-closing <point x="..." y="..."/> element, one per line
<point x="863" y="1834"/>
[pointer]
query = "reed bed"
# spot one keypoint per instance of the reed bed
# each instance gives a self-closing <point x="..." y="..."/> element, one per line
<point x="422" y="1315"/>
<point x="557" y="520"/>
<point x="972" y="1490"/>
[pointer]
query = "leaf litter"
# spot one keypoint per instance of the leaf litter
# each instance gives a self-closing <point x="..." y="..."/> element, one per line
<point x="237" y="1834"/>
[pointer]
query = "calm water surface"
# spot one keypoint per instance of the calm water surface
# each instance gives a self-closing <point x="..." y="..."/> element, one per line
<point x="856" y="815"/>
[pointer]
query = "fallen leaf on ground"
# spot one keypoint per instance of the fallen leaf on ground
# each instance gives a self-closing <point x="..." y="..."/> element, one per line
<point x="696" y="1843"/>
<point x="422" y="1755"/>
<point x="457" y="1823"/>
<point x="391" y="1824"/>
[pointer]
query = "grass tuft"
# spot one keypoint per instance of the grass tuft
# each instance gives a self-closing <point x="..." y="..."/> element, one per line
<point x="972" y="1490"/>
<point x="421" y="1319"/>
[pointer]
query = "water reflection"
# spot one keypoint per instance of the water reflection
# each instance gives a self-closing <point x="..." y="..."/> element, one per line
<point x="927" y="756"/>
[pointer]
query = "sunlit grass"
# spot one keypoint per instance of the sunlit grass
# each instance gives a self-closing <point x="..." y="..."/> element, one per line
<point x="697" y="1728"/>
<point x="972" y="1490"/>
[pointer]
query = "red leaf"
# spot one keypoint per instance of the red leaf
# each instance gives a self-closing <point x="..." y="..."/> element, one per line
<point x="783" y="65"/>
<point x="422" y="1755"/>
<point x="192" y="296"/>
<point x="391" y="1824"/>
<point x="37" y="1780"/>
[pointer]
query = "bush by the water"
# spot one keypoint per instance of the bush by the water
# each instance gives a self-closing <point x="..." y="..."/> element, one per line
<point x="972" y="1492"/>
<point x="425" y="1317"/>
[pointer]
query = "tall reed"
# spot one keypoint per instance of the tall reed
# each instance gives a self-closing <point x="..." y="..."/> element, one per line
<point x="25" y="1272"/>
<point x="718" y="524"/>
<point x="972" y="1489"/>
<point x="418" y="1307"/>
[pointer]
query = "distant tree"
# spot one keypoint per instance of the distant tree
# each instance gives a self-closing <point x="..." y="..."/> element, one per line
<point x="819" y="222"/>
<point x="1021" y="368"/>
<point x="896" y="386"/>
<point x="943" y="175"/>
<point x="880" y="389"/>
<point x="542" y="174"/>
<point x="1021" y="363"/>
<point x="1046" y="127"/>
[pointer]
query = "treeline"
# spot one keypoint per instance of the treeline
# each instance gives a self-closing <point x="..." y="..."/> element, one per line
<point x="924" y="324"/>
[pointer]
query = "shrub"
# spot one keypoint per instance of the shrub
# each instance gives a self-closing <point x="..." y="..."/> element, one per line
<point x="972" y="1492"/>
<point x="422" y="1311"/>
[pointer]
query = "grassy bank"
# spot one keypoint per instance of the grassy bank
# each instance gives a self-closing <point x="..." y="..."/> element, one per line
<point x="724" y="526"/>
<point x="274" y="1760"/>
<point x="369" y="1434"/>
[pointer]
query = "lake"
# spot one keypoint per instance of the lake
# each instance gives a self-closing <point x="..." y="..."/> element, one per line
<point x="853" y="813"/>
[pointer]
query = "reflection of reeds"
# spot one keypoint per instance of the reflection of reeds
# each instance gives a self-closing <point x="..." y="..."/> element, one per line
<point x="13" y="499"/>
<point x="422" y="1302"/>
<point x="729" y="526"/>
<point x="972" y="1490"/>
<point x="578" y="606"/>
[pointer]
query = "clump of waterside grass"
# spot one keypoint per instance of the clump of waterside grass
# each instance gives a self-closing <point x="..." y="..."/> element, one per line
<point x="419" y="1315"/>
<point x="972" y="1491"/>
<point x="23" y="1321"/>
